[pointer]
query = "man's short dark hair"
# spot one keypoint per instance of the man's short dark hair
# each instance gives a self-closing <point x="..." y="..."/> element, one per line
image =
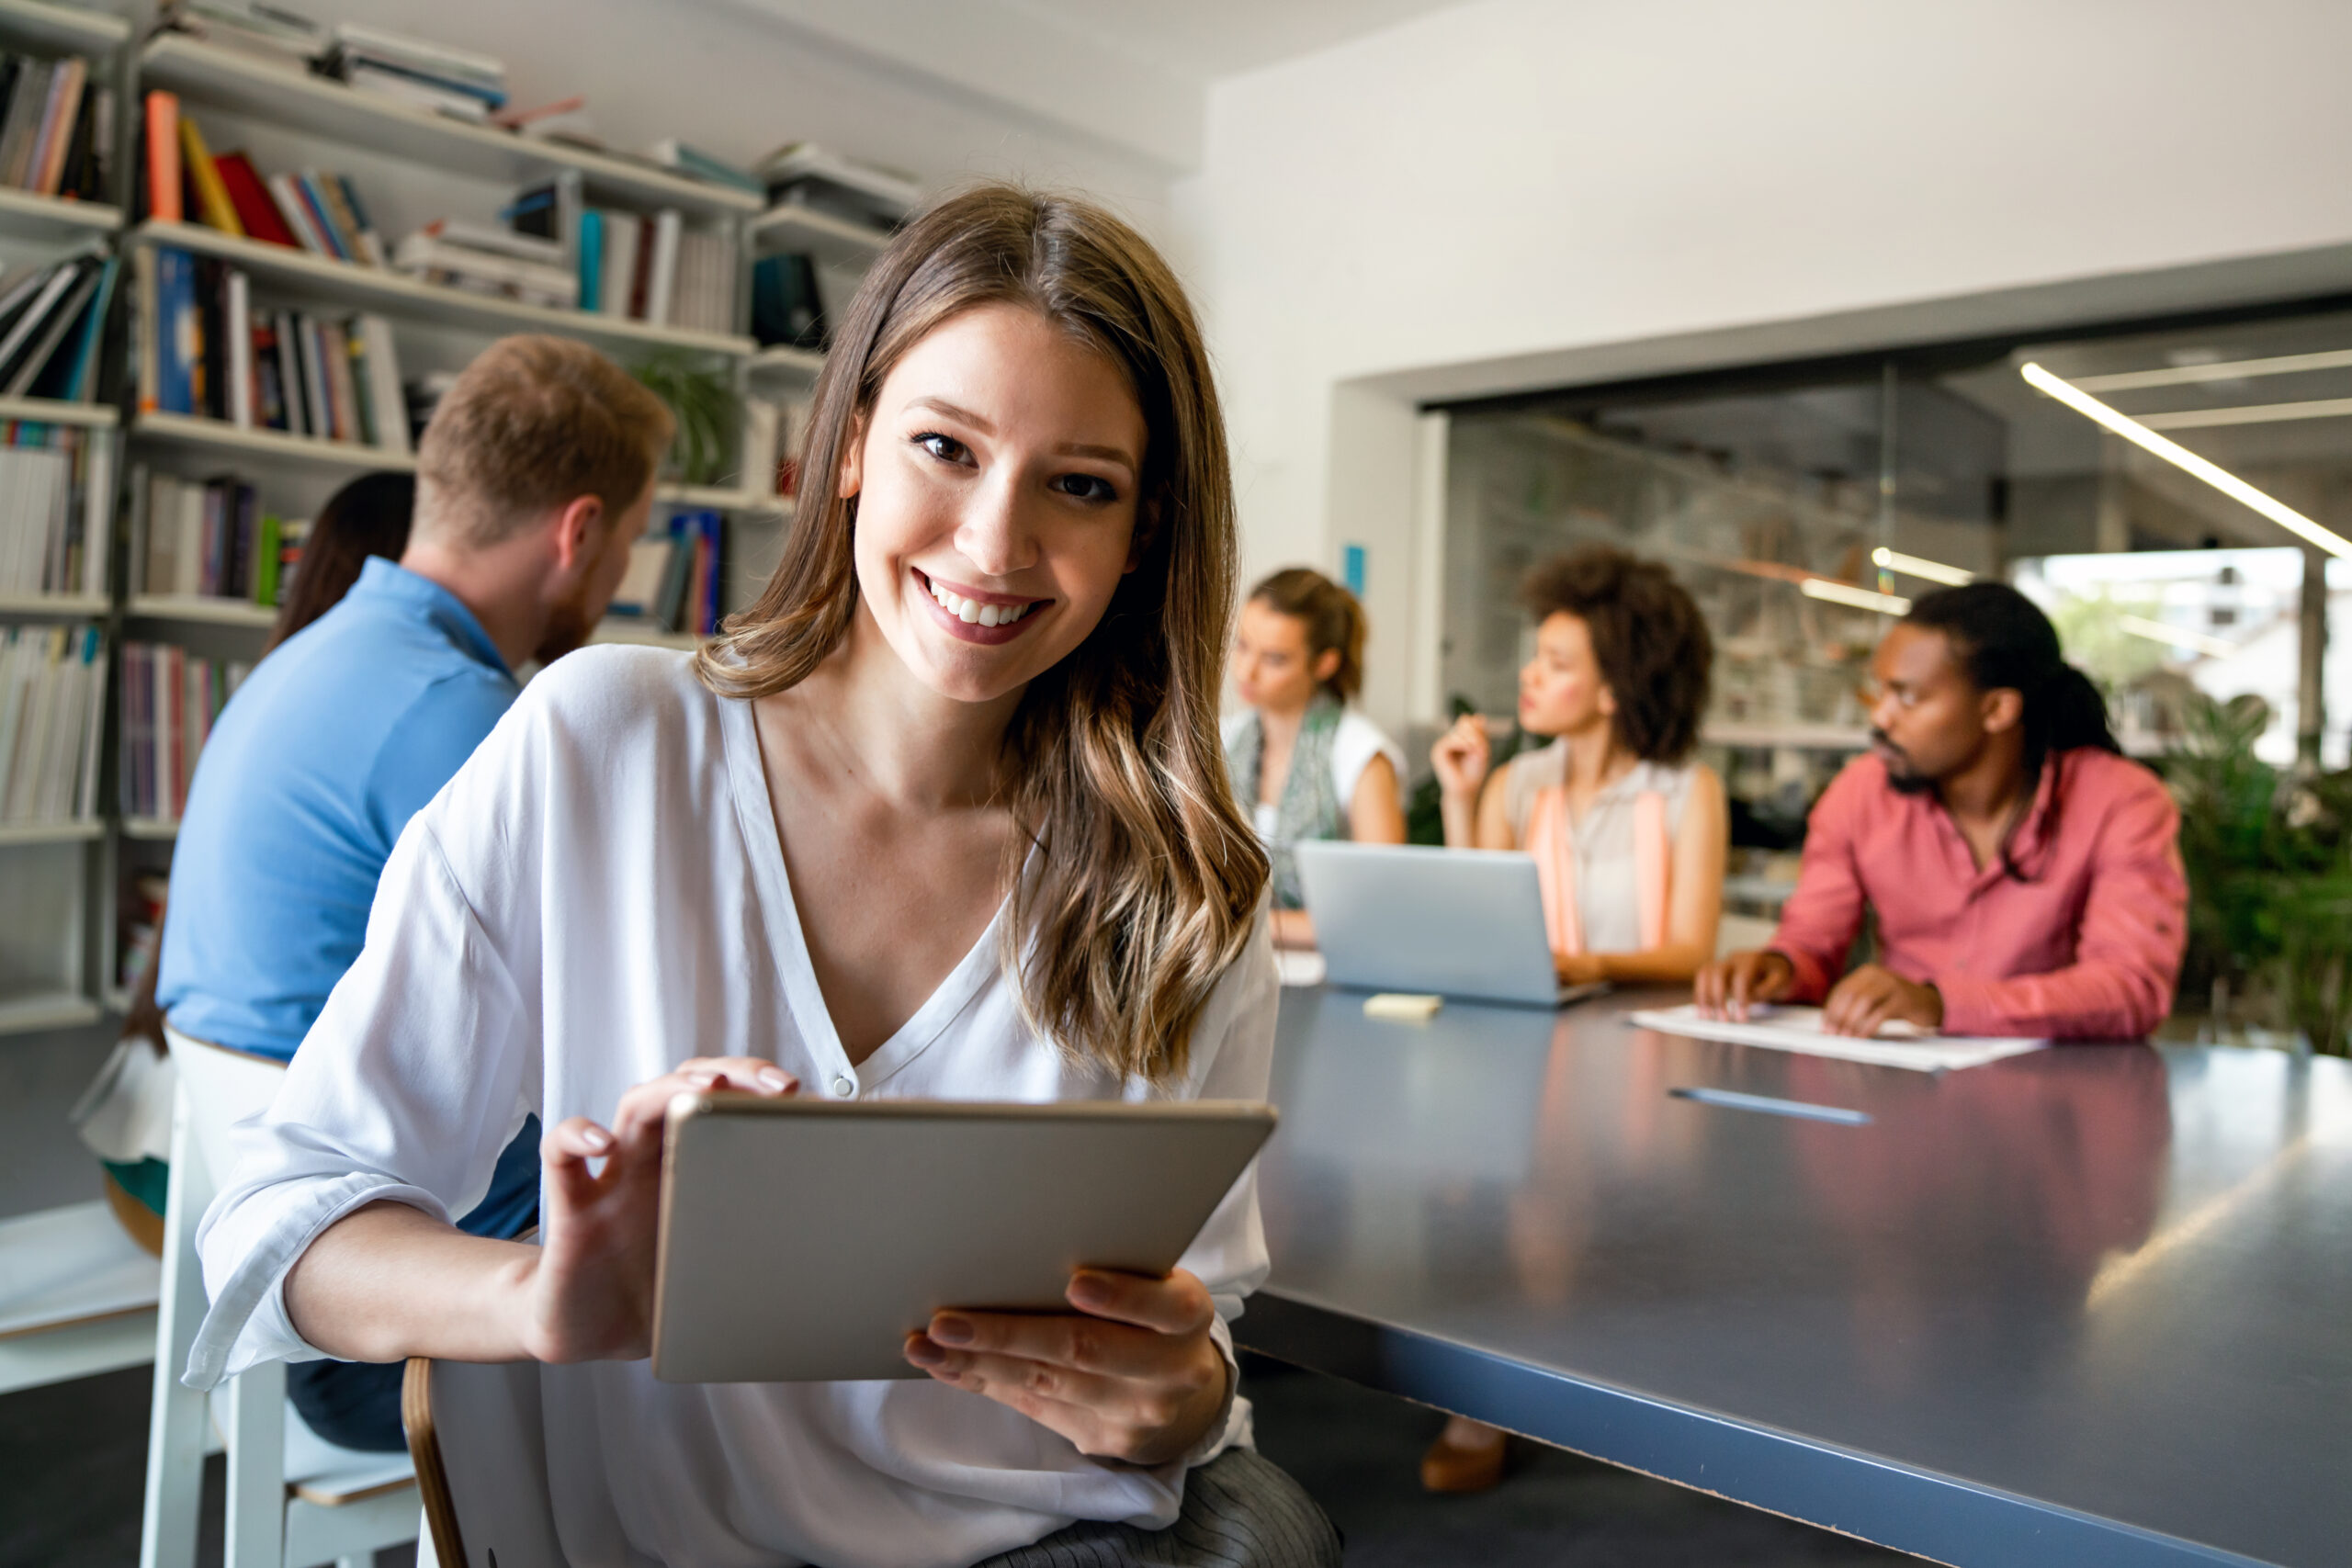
<point x="1648" y="637"/>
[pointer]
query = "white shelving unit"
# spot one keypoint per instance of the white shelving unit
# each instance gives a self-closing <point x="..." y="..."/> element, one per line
<point x="303" y="279"/>
<point x="195" y="607"/>
<point x="318" y="106"/>
<point x="54" y="871"/>
<point x="784" y="362"/>
<point x="1793" y="737"/>
<point x="836" y="241"/>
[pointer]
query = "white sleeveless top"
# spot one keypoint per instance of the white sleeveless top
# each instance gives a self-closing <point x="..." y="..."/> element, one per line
<point x="1606" y="883"/>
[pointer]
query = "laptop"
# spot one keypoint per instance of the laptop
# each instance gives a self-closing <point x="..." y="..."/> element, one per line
<point x="1465" y="923"/>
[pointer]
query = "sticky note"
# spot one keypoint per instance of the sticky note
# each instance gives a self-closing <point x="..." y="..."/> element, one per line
<point x="1402" y="1007"/>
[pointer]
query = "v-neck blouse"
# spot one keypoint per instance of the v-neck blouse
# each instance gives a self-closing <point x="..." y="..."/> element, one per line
<point x="599" y="895"/>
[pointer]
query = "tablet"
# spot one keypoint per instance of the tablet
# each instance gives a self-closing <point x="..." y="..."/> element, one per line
<point x="802" y="1240"/>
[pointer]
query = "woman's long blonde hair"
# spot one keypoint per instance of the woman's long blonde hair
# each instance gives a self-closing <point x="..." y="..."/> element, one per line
<point x="1146" y="879"/>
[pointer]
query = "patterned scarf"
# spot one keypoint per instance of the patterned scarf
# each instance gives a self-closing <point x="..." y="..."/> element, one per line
<point x="1310" y="807"/>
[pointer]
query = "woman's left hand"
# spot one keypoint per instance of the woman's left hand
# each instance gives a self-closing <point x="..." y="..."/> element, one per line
<point x="1133" y="1375"/>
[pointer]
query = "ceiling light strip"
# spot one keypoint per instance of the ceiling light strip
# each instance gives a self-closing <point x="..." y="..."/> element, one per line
<point x="2179" y="636"/>
<point x="2232" y="370"/>
<point x="1859" y="598"/>
<point x="2181" y="458"/>
<point x="1920" y="566"/>
<point x="2248" y="413"/>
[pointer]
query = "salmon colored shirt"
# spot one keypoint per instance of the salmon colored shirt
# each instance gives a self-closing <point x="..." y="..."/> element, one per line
<point x="2086" y="947"/>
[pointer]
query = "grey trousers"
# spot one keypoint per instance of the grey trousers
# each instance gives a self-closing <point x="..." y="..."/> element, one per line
<point x="1240" y="1511"/>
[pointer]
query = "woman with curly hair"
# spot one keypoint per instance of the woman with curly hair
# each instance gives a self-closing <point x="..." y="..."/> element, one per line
<point x="1628" y="834"/>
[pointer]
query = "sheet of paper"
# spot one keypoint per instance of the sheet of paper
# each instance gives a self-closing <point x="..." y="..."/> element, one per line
<point x="1799" y="1029"/>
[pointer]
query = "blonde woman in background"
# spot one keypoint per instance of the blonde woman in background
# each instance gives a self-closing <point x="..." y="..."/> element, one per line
<point x="1305" y="765"/>
<point x="1629" y="835"/>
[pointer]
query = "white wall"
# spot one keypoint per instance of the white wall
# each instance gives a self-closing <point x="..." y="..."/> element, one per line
<point x="1499" y="196"/>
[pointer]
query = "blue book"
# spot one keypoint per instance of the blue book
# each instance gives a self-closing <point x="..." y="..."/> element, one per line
<point x="175" y="332"/>
<point x="82" y="381"/>
<point x="592" y="259"/>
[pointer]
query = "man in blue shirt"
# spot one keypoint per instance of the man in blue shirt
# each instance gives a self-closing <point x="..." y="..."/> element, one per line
<point x="534" y="479"/>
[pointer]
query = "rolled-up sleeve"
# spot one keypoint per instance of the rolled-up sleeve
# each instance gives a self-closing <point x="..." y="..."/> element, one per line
<point x="2127" y="955"/>
<point x="1822" y="918"/>
<point x="413" y="1078"/>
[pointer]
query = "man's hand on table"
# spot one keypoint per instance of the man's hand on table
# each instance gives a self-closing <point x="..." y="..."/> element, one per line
<point x="1727" y="988"/>
<point x="1872" y="996"/>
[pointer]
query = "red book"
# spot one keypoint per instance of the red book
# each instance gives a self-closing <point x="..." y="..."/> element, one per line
<point x="163" y="156"/>
<point x="254" y="209"/>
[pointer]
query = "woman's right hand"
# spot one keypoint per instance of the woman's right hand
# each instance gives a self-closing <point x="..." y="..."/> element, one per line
<point x="590" y="1293"/>
<point x="1462" y="756"/>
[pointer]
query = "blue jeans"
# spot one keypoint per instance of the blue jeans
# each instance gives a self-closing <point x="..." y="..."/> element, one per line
<point x="356" y="1404"/>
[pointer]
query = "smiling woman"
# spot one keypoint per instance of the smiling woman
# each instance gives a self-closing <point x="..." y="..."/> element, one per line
<point x="944" y="816"/>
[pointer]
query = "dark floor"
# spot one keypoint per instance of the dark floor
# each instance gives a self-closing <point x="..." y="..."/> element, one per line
<point x="73" y="1459"/>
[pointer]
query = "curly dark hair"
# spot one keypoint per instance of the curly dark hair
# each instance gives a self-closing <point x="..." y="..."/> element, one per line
<point x="1648" y="636"/>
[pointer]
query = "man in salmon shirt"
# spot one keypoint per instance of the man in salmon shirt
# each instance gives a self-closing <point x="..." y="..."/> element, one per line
<point x="2024" y="874"/>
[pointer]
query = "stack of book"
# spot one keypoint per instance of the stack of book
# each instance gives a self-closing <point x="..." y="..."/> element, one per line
<point x="52" y="704"/>
<point x="267" y="33"/>
<point x="421" y="75"/>
<point x="695" y="163"/>
<point x="311" y="209"/>
<point x="170" y="698"/>
<point x="209" y="539"/>
<point x="53" y="317"/>
<point x="56" y="489"/>
<point x="673" y="576"/>
<point x="56" y="128"/>
<point x="497" y="262"/>
<point x="647" y="269"/>
<point x="205" y="350"/>
<point x="802" y="173"/>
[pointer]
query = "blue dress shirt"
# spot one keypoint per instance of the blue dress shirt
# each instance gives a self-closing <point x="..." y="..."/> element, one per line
<point x="318" y="761"/>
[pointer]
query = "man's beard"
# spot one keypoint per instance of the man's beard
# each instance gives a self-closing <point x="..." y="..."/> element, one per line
<point x="1901" y="776"/>
<point x="567" y="627"/>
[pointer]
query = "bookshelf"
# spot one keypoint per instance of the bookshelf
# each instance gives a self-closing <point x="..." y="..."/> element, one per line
<point x="835" y="242"/>
<point x="52" y="607"/>
<point x="50" y="220"/>
<point x="203" y="611"/>
<point x="785" y="363"/>
<point x="60" y="30"/>
<point x="49" y="411"/>
<point x="318" y="106"/>
<point x="272" y="448"/>
<point x="50" y="832"/>
<point x="57" y="872"/>
<point x="305" y="279"/>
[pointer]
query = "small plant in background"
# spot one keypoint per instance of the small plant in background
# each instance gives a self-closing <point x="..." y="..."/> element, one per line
<point x="703" y="401"/>
<point x="2268" y="852"/>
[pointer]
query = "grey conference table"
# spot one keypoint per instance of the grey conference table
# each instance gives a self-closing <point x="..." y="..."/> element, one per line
<point x="2088" y="1306"/>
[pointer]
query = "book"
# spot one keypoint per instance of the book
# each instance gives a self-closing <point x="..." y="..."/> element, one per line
<point x="673" y="153"/>
<point x="20" y="125"/>
<point x="387" y="402"/>
<point x="212" y="203"/>
<point x="82" y="382"/>
<point x="619" y="272"/>
<point x="36" y="358"/>
<point x="163" y="163"/>
<point x="342" y="243"/>
<point x="52" y="686"/>
<point x="256" y="209"/>
<point x="417" y="92"/>
<point x="239" y="333"/>
<point x="662" y="272"/>
<point x="286" y="193"/>
<point x="807" y="174"/>
<point x="786" y="306"/>
<point x="484" y="272"/>
<point x="591" y="260"/>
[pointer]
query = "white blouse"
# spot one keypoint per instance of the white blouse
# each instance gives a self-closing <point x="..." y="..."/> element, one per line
<point x="597" y="896"/>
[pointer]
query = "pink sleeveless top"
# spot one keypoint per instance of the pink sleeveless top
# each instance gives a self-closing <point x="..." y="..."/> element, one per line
<point x="1606" y="881"/>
